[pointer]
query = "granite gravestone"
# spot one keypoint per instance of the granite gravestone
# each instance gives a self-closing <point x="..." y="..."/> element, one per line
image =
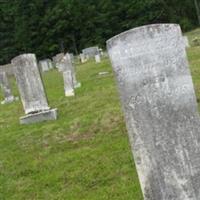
<point x="57" y="61"/>
<point x="83" y="58"/>
<point x="68" y="83"/>
<point x="50" y="65"/>
<point x="8" y="68"/>
<point x="44" y="65"/>
<point x="97" y="58"/>
<point x="67" y="65"/>
<point x="90" y="52"/>
<point x="186" y="41"/>
<point x="5" y="86"/>
<point x="31" y="90"/>
<point x="72" y="57"/>
<point x="160" y="109"/>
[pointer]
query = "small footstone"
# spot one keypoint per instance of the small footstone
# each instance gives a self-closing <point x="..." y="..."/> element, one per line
<point x="103" y="73"/>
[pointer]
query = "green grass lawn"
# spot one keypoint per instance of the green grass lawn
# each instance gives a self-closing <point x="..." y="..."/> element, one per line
<point x="85" y="154"/>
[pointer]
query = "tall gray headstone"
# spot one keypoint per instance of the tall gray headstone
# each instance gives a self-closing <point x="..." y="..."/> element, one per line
<point x="31" y="90"/>
<point x="68" y="83"/>
<point x="160" y="109"/>
<point x="5" y="86"/>
<point x="67" y="65"/>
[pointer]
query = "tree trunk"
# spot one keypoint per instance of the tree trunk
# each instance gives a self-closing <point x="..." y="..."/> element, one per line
<point x="197" y="9"/>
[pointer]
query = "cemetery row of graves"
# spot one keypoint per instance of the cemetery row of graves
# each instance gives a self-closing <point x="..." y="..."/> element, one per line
<point x="27" y="69"/>
<point x="83" y="152"/>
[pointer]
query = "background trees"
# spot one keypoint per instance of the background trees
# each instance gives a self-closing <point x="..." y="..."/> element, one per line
<point x="46" y="27"/>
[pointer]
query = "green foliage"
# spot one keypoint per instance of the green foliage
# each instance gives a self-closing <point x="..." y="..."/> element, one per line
<point x="46" y="27"/>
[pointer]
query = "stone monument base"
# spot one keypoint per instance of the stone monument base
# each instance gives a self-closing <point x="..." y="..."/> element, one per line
<point x="39" y="117"/>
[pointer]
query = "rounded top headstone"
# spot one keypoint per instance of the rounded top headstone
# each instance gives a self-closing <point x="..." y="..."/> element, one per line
<point x="144" y="31"/>
<point x="23" y="56"/>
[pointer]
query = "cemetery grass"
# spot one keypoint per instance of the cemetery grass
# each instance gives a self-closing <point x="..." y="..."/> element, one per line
<point x="85" y="154"/>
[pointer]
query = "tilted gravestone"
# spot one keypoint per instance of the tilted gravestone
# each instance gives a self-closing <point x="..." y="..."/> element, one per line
<point x="160" y="110"/>
<point x="5" y="86"/>
<point x="31" y="90"/>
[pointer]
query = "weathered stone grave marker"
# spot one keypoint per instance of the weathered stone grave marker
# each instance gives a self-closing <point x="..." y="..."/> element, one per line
<point x="186" y="41"/>
<point x="72" y="57"/>
<point x="68" y="83"/>
<point x="97" y="58"/>
<point x="90" y="52"/>
<point x="69" y="74"/>
<point x="44" y="65"/>
<point x="57" y="61"/>
<point x="5" y="86"/>
<point x="8" y="68"/>
<point x="160" y="109"/>
<point x="50" y="64"/>
<point x="31" y="90"/>
<point x="83" y="58"/>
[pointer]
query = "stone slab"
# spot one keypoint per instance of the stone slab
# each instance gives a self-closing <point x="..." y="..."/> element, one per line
<point x="161" y="112"/>
<point x="68" y="83"/>
<point x="30" y="84"/>
<point x="39" y="117"/>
